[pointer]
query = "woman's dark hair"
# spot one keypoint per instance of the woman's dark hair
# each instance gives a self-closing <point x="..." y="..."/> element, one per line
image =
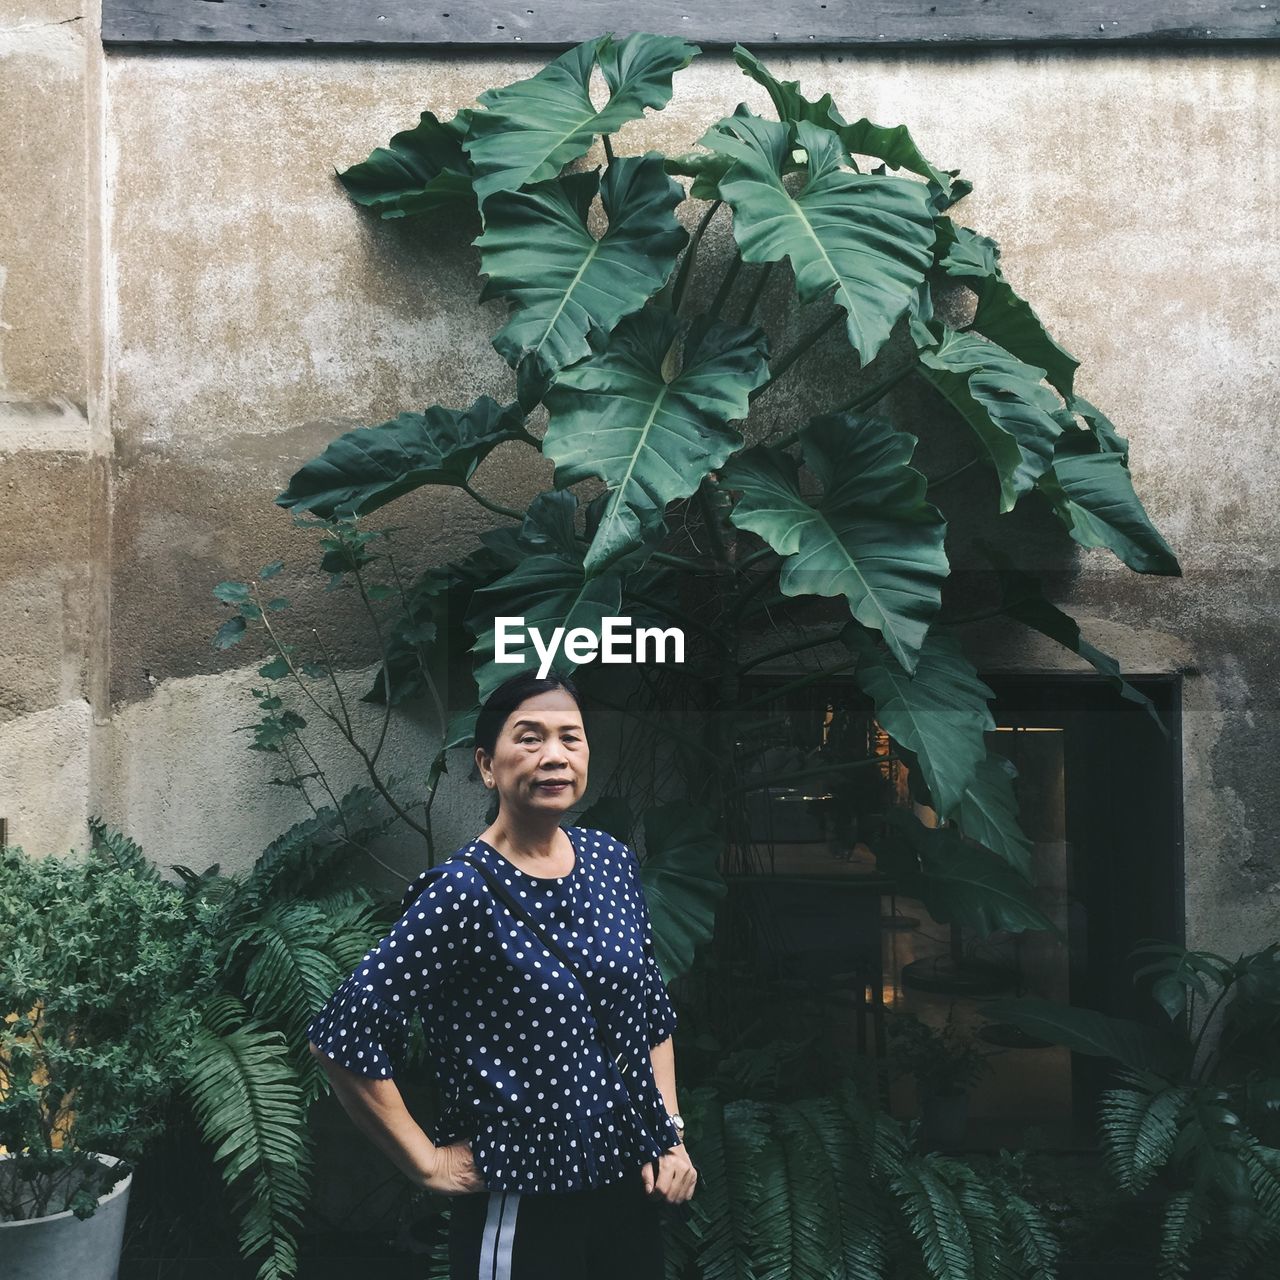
<point x="508" y="696"/>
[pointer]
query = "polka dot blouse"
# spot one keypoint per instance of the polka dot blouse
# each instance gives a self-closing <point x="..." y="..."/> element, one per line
<point x="522" y="1076"/>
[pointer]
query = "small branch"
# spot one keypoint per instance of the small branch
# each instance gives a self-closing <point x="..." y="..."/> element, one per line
<point x="690" y="253"/>
<point x="496" y="507"/>
<point x="784" y="363"/>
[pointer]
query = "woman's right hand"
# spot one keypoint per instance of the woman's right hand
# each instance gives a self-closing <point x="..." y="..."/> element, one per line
<point x="454" y="1172"/>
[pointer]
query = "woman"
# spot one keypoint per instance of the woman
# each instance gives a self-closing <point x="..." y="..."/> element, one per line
<point x="559" y="1129"/>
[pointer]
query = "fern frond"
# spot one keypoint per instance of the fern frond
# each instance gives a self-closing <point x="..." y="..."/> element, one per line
<point x="815" y="1207"/>
<point x="772" y="1255"/>
<point x="1139" y="1123"/>
<point x="721" y="1212"/>
<point x="246" y="1100"/>
<point x="291" y="973"/>
<point x="1184" y="1221"/>
<point x="861" y="1209"/>
<point x="934" y="1216"/>
<point x="111" y="845"/>
<point x="310" y="848"/>
<point x="1031" y="1237"/>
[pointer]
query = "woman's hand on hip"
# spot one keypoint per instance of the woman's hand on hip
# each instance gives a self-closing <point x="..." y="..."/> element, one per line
<point x="676" y="1177"/>
<point x="454" y="1172"/>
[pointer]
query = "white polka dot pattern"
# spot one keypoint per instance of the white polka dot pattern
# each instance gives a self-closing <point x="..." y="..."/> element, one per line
<point x="521" y="1074"/>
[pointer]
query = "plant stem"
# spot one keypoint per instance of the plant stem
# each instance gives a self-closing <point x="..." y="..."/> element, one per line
<point x="803" y="683"/>
<point x="421" y="656"/>
<point x="1204" y="1026"/>
<point x="816" y="643"/>
<point x="754" y="558"/>
<point x="710" y="522"/>
<point x="757" y="290"/>
<point x="686" y="263"/>
<point x="496" y="507"/>
<point x="951" y="475"/>
<point x="862" y="401"/>
<point x="608" y="147"/>
<point x="386" y="665"/>
<point x="784" y="362"/>
<point x="726" y="284"/>
<point x="676" y="562"/>
<point x="964" y="618"/>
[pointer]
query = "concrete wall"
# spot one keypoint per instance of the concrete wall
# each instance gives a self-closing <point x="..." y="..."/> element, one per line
<point x="190" y="307"/>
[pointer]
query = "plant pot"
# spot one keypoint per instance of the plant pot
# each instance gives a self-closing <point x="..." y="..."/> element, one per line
<point x="946" y="1117"/>
<point x="62" y="1245"/>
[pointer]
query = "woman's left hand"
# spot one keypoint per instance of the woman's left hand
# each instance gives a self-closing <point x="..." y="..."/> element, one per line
<point x="676" y="1176"/>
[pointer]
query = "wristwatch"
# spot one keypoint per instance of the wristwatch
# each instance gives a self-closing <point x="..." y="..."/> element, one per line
<point x="678" y="1122"/>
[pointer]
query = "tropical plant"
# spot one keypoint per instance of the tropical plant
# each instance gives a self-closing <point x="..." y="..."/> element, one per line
<point x="634" y="355"/>
<point x="830" y="1187"/>
<point x="99" y="961"/>
<point x="644" y="371"/>
<point x="1192" y="1114"/>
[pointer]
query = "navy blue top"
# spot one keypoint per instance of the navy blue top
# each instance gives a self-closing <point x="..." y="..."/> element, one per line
<point x="522" y="1076"/>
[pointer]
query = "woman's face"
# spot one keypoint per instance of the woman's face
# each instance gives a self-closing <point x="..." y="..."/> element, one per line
<point x="539" y="763"/>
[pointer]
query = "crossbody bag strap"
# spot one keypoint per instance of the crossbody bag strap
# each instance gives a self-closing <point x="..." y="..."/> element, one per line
<point x="508" y="900"/>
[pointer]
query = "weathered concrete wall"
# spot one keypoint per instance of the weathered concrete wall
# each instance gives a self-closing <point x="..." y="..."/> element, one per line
<point x="189" y="288"/>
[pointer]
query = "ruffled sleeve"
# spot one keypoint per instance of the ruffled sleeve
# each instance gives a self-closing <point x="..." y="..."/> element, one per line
<point x="364" y="1026"/>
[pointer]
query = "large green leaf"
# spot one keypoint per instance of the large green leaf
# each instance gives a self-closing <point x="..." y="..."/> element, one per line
<point x="562" y="281"/>
<point x="1002" y="399"/>
<point x="872" y="537"/>
<point x="989" y="813"/>
<point x="421" y="170"/>
<point x="547" y="591"/>
<point x="958" y="882"/>
<point x="1004" y="317"/>
<point x="1134" y="1044"/>
<point x="1024" y="599"/>
<point x="939" y="713"/>
<point x="682" y="882"/>
<point x="366" y="468"/>
<point x="650" y="436"/>
<point x="894" y="145"/>
<point x="1094" y="497"/>
<point x="867" y="236"/>
<point x="534" y="127"/>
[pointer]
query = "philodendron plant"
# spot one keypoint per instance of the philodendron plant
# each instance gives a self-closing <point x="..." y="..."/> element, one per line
<point x="639" y="359"/>
<point x="660" y="510"/>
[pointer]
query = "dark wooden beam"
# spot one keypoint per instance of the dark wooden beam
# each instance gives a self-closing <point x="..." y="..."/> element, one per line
<point x="758" y="24"/>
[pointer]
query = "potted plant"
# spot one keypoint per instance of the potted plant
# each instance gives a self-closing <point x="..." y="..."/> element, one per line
<point x="945" y="1063"/>
<point x="99" y="962"/>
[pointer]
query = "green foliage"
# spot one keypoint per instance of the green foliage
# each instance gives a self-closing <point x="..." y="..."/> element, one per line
<point x="829" y="1188"/>
<point x="99" y="963"/>
<point x="678" y="503"/>
<point x="699" y="525"/>
<point x="1197" y="1123"/>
